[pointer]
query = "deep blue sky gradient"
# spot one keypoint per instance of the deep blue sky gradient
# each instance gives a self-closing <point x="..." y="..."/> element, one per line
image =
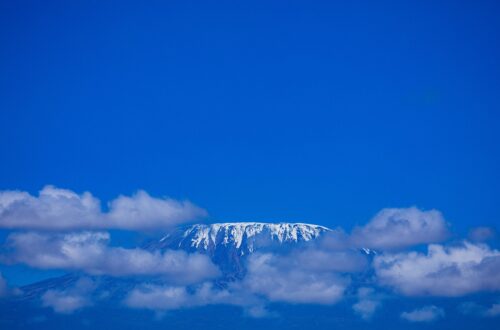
<point x="257" y="110"/>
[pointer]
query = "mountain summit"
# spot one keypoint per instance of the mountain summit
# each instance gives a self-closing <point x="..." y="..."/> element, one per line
<point x="228" y="243"/>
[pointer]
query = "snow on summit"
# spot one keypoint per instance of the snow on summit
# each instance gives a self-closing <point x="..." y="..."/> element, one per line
<point x="245" y="235"/>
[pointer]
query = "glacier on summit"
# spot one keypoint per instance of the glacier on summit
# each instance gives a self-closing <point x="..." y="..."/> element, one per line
<point x="227" y="244"/>
<point x="249" y="233"/>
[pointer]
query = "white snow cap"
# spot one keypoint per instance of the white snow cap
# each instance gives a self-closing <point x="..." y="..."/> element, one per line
<point x="205" y="235"/>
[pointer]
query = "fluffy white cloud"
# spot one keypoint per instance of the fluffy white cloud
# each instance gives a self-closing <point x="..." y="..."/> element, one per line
<point x="71" y="299"/>
<point x="424" y="314"/>
<point x="61" y="209"/>
<point x="89" y="252"/>
<point x="442" y="271"/>
<point x="302" y="276"/>
<point x="284" y="279"/>
<point x="395" y="228"/>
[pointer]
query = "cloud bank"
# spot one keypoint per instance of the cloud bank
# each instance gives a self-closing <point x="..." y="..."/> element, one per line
<point x="62" y="209"/>
<point x="443" y="271"/>
<point x="60" y="229"/>
<point x="89" y="252"/>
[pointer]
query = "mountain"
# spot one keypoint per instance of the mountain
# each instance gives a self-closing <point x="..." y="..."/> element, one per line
<point x="228" y="244"/>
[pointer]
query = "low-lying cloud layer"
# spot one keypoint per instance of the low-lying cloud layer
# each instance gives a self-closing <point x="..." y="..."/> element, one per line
<point x="89" y="252"/>
<point x="60" y="229"/>
<point x="442" y="271"/>
<point x="62" y="209"/>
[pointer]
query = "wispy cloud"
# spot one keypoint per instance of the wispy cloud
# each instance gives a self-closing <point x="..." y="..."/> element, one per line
<point x="367" y="303"/>
<point x="66" y="301"/>
<point x="473" y="308"/>
<point x="425" y="314"/>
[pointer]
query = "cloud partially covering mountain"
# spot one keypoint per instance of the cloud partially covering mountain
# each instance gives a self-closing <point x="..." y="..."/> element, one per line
<point x="251" y="265"/>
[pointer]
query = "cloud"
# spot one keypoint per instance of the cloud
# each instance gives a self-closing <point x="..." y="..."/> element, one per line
<point x="61" y="209"/>
<point x="315" y="276"/>
<point x="395" y="228"/>
<point x="167" y="297"/>
<point x="481" y="234"/>
<point x="442" y="271"/>
<point x="493" y="311"/>
<point x="89" y="252"/>
<point x="367" y="303"/>
<point x="69" y="300"/>
<point x="424" y="314"/>
<point x="285" y="279"/>
<point x="472" y="308"/>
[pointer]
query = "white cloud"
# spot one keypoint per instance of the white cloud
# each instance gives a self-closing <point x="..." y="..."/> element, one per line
<point x="424" y="314"/>
<point x="283" y="279"/>
<point x="395" y="228"/>
<point x="442" y="271"/>
<point x="69" y="300"/>
<point x="89" y="252"/>
<point x="61" y="209"/>
<point x="367" y="303"/>
<point x="314" y="276"/>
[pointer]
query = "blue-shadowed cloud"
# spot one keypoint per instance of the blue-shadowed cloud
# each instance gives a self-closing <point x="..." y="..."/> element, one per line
<point x="63" y="209"/>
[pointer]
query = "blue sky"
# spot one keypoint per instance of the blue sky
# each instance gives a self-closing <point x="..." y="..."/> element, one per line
<point x="378" y="117"/>
<point x="269" y="111"/>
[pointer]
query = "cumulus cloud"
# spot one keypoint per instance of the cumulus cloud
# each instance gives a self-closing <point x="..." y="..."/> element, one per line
<point x="62" y="209"/>
<point x="69" y="300"/>
<point x="89" y="252"/>
<point x="424" y="314"/>
<point x="301" y="276"/>
<point x="285" y="279"/>
<point x="367" y="303"/>
<point x="394" y="228"/>
<point x="442" y="271"/>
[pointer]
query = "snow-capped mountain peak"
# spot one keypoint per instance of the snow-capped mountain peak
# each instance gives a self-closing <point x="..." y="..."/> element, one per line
<point x="228" y="244"/>
<point x="238" y="233"/>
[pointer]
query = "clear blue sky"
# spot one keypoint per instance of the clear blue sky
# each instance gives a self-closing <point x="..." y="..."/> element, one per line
<point x="257" y="110"/>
